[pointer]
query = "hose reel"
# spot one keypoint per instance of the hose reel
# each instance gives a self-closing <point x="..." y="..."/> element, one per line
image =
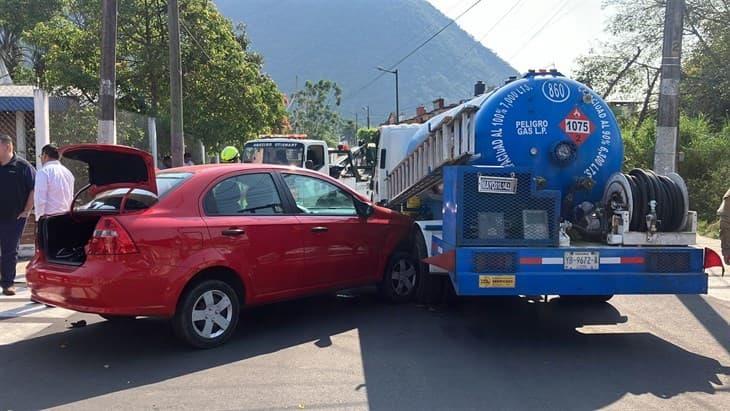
<point x="654" y="202"/>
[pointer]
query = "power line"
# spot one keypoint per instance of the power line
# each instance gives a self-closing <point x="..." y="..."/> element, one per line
<point x="404" y="58"/>
<point x="412" y="52"/>
<point x="195" y="39"/>
<point x="499" y="20"/>
<point x="535" y="34"/>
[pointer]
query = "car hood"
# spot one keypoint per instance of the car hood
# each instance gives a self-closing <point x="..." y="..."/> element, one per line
<point x="112" y="166"/>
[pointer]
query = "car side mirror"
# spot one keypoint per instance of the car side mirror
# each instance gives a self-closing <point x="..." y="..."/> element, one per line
<point x="363" y="209"/>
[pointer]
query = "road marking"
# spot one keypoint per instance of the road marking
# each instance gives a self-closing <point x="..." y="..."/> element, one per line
<point x="21" y="318"/>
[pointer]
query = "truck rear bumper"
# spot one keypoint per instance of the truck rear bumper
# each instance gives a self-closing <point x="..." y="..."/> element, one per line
<point x="473" y="284"/>
<point x="614" y="270"/>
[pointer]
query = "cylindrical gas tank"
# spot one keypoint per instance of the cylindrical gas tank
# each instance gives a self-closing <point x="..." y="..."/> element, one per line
<point x="555" y="126"/>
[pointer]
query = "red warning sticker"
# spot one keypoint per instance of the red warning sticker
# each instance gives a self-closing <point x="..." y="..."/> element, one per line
<point x="577" y="126"/>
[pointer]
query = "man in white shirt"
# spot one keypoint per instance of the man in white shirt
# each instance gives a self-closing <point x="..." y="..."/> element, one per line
<point x="54" y="185"/>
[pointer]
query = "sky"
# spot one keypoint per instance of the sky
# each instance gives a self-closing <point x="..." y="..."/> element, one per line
<point x="532" y="33"/>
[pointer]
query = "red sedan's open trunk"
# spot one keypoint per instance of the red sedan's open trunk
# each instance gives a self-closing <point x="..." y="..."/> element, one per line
<point x="62" y="237"/>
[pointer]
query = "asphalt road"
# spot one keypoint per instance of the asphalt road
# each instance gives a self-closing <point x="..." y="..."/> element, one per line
<point x="643" y="352"/>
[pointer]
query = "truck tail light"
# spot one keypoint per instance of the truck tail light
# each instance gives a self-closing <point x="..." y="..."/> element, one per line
<point x="713" y="259"/>
<point x="110" y="238"/>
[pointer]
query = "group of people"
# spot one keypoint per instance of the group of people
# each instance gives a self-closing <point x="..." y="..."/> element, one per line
<point x="167" y="161"/>
<point x="229" y="154"/>
<point x="50" y="190"/>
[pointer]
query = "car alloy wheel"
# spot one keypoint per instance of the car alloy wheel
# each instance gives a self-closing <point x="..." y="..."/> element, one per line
<point x="400" y="279"/>
<point x="212" y="313"/>
<point x="403" y="277"/>
<point x="207" y="314"/>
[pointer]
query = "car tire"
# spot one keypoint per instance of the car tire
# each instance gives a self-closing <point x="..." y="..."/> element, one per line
<point x="207" y="314"/>
<point x="400" y="279"/>
<point x="586" y="299"/>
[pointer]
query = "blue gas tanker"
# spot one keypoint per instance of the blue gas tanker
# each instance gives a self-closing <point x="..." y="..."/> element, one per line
<point x="558" y="128"/>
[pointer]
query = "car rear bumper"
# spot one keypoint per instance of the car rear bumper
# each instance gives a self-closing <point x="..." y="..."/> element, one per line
<point x="119" y="285"/>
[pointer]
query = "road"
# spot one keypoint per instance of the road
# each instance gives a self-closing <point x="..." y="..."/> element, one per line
<point x="356" y="352"/>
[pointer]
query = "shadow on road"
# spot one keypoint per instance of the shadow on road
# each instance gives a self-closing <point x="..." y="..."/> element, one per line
<point x="503" y="354"/>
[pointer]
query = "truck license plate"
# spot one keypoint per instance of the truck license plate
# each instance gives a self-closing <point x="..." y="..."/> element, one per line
<point x="581" y="260"/>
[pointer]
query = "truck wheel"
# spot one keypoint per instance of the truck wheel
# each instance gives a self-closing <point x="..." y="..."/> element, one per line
<point x="586" y="299"/>
<point x="430" y="289"/>
<point x="400" y="279"/>
<point x="207" y="314"/>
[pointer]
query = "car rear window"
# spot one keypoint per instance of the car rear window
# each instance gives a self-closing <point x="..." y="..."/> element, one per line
<point x="138" y="199"/>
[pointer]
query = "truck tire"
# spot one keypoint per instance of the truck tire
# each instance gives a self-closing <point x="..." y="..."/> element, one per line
<point x="401" y="278"/>
<point x="207" y="314"/>
<point x="430" y="289"/>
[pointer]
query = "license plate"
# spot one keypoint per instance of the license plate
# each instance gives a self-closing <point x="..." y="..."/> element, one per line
<point x="581" y="260"/>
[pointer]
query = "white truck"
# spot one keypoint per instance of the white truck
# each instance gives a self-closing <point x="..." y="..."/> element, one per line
<point x="300" y="151"/>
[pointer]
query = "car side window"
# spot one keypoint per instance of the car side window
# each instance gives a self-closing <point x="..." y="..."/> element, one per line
<point x="246" y="194"/>
<point x="318" y="197"/>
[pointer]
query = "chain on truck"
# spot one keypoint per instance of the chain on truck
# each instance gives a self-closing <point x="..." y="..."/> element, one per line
<point x="519" y="191"/>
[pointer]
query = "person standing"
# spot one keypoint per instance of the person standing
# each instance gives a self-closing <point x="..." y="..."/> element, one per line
<point x="17" y="178"/>
<point x="724" y="213"/>
<point x="188" y="159"/>
<point x="54" y="185"/>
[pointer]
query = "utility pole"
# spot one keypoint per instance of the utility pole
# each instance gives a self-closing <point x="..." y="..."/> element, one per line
<point x="177" y="139"/>
<point x="367" y="110"/>
<point x="107" y="132"/>
<point x="667" y="131"/>
<point x="397" y="108"/>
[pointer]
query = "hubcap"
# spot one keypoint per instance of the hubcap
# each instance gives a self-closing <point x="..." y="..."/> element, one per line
<point x="212" y="313"/>
<point x="403" y="277"/>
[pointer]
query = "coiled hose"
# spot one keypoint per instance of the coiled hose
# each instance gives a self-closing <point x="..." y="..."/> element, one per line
<point x="647" y="186"/>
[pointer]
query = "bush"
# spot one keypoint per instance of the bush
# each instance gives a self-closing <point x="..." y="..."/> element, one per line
<point x="706" y="164"/>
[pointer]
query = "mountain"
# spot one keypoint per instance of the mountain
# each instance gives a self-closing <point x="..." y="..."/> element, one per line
<point x="345" y="40"/>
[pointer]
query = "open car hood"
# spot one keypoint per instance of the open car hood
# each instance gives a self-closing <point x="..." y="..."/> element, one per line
<point x="112" y="166"/>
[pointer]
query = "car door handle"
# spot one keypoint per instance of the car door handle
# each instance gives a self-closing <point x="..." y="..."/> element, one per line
<point x="319" y="229"/>
<point x="233" y="232"/>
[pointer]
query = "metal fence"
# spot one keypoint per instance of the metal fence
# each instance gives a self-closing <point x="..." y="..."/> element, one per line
<point x="19" y="125"/>
<point x="79" y="124"/>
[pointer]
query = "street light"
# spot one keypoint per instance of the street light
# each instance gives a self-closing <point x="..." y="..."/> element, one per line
<point x="397" y="111"/>
<point x="367" y="110"/>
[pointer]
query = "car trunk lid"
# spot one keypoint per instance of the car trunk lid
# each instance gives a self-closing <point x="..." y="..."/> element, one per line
<point x="112" y="166"/>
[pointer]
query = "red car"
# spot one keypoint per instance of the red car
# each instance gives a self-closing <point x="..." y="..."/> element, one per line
<point x="195" y="244"/>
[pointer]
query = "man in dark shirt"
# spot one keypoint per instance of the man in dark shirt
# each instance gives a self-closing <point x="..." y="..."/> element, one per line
<point x="17" y="179"/>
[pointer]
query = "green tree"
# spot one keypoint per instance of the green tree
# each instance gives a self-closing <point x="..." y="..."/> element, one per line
<point x="368" y="135"/>
<point x="16" y="16"/>
<point x="313" y="111"/>
<point x="226" y="97"/>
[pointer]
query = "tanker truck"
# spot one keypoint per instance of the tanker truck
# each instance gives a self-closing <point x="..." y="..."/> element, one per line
<point x="519" y="191"/>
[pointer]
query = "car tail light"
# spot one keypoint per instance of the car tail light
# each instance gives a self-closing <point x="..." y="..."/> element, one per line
<point x="110" y="238"/>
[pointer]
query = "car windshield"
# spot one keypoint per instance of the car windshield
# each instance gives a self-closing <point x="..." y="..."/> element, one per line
<point x="273" y="152"/>
<point x="138" y="199"/>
